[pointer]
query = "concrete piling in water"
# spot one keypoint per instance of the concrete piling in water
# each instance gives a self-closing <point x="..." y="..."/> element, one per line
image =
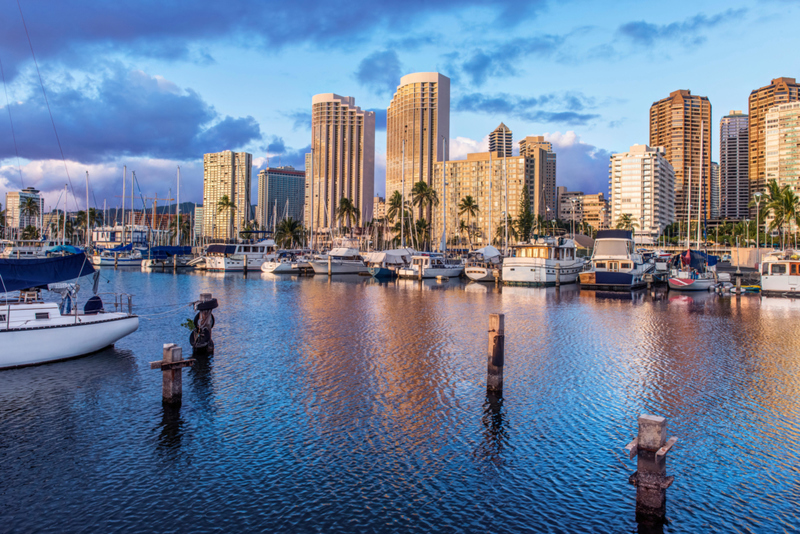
<point x="115" y="259"/>
<point x="170" y="366"/>
<point x="650" y="447"/>
<point x="496" y="353"/>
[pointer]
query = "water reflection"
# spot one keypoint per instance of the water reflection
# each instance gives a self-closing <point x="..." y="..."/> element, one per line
<point x="495" y="435"/>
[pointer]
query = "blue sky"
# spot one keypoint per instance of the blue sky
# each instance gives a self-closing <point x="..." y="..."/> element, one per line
<point x="155" y="84"/>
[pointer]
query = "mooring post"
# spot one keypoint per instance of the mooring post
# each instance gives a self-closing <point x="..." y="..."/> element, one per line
<point x="651" y="480"/>
<point x="200" y="338"/>
<point x="649" y="278"/>
<point x="170" y="367"/>
<point x="558" y="274"/>
<point x="329" y="264"/>
<point x="419" y="271"/>
<point x="496" y="353"/>
<point x="244" y="265"/>
<point x="738" y="276"/>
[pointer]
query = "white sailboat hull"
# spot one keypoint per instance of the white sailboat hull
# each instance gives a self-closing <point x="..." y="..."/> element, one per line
<point x="480" y="274"/>
<point x="339" y="267"/>
<point x="103" y="261"/>
<point x="233" y="263"/>
<point x="63" y="338"/>
<point x="431" y="272"/>
<point x="283" y="267"/>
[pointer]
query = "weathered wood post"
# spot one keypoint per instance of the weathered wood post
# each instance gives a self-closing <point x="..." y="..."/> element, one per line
<point x="244" y="265"/>
<point x="170" y="366"/>
<point x="329" y="264"/>
<point x="738" y="276"/>
<point x="558" y="275"/>
<point x="419" y="271"/>
<point x="115" y="259"/>
<point x="651" y="480"/>
<point x="496" y="352"/>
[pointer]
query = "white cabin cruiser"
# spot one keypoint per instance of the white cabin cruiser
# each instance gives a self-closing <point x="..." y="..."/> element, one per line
<point x="385" y="264"/>
<point x="33" y="331"/>
<point x="341" y="260"/>
<point x="235" y="257"/>
<point x="431" y="265"/>
<point x="484" y="265"/>
<point x="27" y="248"/>
<point x="615" y="264"/>
<point x="538" y="263"/>
<point x="125" y="258"/>
<point x="780" y="274"/>
<point x="287" y="262"/>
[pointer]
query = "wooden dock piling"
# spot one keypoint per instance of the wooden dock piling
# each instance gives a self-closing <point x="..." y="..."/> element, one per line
<point x="496" y="352"/>
<point x="651" y="480"/>
<point x="170" y="366"/>
<point x="558" y="275"/>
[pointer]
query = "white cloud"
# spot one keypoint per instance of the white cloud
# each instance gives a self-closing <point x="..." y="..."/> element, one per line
<point x="461" y="146"/>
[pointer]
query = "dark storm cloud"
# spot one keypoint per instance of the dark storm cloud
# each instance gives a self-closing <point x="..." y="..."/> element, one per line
<point x="173" y="30"/>
<point x="121" y="113"/>
<point x="564" y="109"/>
<point x="380" y="72"/>
<point x="688" y="32"/>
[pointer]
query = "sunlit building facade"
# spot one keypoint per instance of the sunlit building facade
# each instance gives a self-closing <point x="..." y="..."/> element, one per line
<point x="281" y="194"/>
<point x="733" y="166"/>
<point x="681" y="123"/>
<point x="642" y="184"/>
<point x="226" y="174"/>
<point x="501" y="141"/>
<point x="782" y="162"/>
<point x="17" y="219"/>
<point x="418" y="114"/>
<point x="530" y="146"/>
<point x="342" y="159"/>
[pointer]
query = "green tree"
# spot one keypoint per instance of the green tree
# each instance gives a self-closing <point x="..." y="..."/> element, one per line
<point x="226" y="204"/>
<point x="525" y="219"/>
<point x="288" y="233"/>
<point x="348" y="211"/>
<point x="30" y="232"/>
<point x="626" y="222"/>
<point x="29" y="207"/>
<point x="500" y="232"/>
<point x="468" y="206"/>
<point x="184" y="227"/>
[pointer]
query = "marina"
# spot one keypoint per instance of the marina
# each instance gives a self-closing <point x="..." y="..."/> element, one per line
<point x="341" y="403"/>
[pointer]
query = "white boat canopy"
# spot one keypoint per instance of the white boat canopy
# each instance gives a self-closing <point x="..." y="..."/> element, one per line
<point x="488" y="252"/>
<point x="399" y="256"/>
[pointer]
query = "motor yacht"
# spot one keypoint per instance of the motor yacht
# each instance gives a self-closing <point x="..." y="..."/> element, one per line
<point x="538" y="263"/>
<point x="484" y="265"/>
<point x="431" y="265"/>
<point x="615" y="265"/>
<point x="340" y="260"/>
<point x="780" y="274"/>
<point x="227" y="258"/>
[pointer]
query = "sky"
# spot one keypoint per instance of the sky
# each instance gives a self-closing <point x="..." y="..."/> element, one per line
<point x="154" y="85"/>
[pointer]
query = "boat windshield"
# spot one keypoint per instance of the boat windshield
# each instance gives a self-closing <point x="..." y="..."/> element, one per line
<point x="611" y="247"/>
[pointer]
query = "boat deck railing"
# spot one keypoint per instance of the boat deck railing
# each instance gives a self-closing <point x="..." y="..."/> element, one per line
<point x="120" y="301"/>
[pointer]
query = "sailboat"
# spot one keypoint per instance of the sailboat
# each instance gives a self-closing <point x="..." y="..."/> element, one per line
<point x="34" y="331"/>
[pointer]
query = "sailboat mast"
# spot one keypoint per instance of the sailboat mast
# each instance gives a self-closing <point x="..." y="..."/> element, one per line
<point x="87" y="212"/>
<point x="700" y="185"/>
<point x="178" y="210"/>
<point x="124" y="177"/>
<point x="689" y="210"/>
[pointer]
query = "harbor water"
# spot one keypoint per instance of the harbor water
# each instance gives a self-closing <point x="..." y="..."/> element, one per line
<point x="348" y="405"/>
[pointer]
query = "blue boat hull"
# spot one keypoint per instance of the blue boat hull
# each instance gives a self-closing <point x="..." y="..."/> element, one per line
<point x="612" y="281"/>
<point x="382" y="272"/>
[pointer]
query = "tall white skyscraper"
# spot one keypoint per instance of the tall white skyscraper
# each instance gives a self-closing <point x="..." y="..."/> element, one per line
<point x="226" y="174"/>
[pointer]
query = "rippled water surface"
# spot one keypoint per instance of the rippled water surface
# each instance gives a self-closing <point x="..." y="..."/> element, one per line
<point x="347" y="405"/>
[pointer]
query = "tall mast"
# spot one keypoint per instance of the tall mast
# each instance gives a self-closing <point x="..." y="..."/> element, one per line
<point x="64" y="224"/>
<point x="178" y="209"/>
<point x="312" y="196"/>
<point x="444" y="199"/>
<point x="505" y="181"/>
<point x="491" y="202"/>
<point x="700" y="185"/>
<point x="87" y="212"/>
<point x="403" y="187"/>
<point x="124" y="176"/>
<point x="689" y="210"/>
<point x="133" y="177"/>
<point x="274" y="218"/>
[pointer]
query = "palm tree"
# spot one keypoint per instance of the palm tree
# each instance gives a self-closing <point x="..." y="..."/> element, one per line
<point x="463" y="228"/>
<point x="184" y="227"/>
<point x="422" y="230"/>
<point x="225" y="203"/>
<point x="422" y="196"/>
<point x="469" y="206"/>
<point x="784" y="207"/>
<point x="30" y="207"/>
<point x="500" y="231"/>
<point x="347" y="210"/>
<point x="626" y="222"/>
<point x="30" y="232"/>
<point x="288" y="232"/>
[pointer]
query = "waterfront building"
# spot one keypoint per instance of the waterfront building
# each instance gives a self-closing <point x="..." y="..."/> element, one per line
<point x="595" y="210"/>
<point x="733" y="166"/>
<point x="500" y="141"/>
<point x="198" y="221"/>
<point x="378" y="208"/>
<point x="342" y="162"/>
<point x="716" y="191"/>
<point x="675" y="125"/>
<point x="568" y="210"/>
<point x="642" y="183"/>
<point x="483" y="176"/>
<point x="531" y="146"/>
<point x="419" y="113"/>
<point x="228" y="174"/>
<point x="779" y="91"/>
<point x="782" y="140"/>
<point x="17" y="219"/>
<point x="280" y="189"/>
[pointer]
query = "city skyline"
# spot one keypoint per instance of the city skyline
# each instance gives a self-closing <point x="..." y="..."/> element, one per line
<point x="585" y="103"/>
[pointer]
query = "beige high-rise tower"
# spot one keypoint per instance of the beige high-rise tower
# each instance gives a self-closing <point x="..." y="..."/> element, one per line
<point x="419" y="113"/>
<point x="500" y="140"/>
<point x="342" y="159"/>
<point x="779" y="91"/>
<point x="226" y="174"/>
<point x="534" y="146"/>
<point x="675" y="124"/>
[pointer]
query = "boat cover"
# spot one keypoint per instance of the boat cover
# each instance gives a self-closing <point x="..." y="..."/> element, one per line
<point x="696" y="259"/>
<point x="69" y="249"/>
<point x="165" y="252"/>
<point x="614" y="234"/>
<point x="488" y="252"/>
<point x="398" y="256"/>
<point x="221" y="249"/>
<point x="29" y="273"/>
<point x="121" y="248"/>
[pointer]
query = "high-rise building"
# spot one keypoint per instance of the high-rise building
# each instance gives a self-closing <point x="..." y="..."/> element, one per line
<point x="500" y="141"/>
<point x="675" y="125"/>
<point x="493" y="182"/>
<point x="226" y="174"/>
<point x="17" y="216"/>
<point x="716" y="191"/>
<point x="567" y="209"/>
<point x="782" y="163"/>
<point x="779" y="91"/>
<point x="733" y="165"/>
<point x="418" y="114"/>
<point x="198" y="221"/>
<point x="596" y="211"/>
<point x="529" y="146"/>
<point x="643" y="187"/>
<point x="281" y="194"/>
<point x="378" y="208"/>
<point x="343" y="154"/>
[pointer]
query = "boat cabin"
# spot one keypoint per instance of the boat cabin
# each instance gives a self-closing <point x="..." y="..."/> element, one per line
<point x="545" y="251"/>
<point x="251" y="249"/>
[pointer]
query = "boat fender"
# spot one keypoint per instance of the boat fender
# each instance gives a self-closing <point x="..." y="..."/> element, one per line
<point x="197" y="321"/>
<point x="207" y="305"/>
